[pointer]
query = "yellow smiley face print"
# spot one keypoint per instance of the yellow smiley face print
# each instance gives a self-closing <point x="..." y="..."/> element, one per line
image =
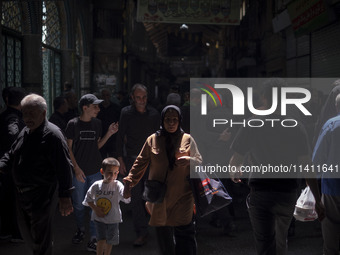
<point x="104" y="203"/>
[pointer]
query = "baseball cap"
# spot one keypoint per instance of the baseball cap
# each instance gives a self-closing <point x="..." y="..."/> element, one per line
<point x="89" y="99"/>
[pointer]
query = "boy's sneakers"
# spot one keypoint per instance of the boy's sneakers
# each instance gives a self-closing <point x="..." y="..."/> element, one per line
<point x="78" y="237"/>
<point x="92" y="245"/>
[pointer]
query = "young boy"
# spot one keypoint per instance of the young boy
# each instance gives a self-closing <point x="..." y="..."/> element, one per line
<point x="103" y="197"/>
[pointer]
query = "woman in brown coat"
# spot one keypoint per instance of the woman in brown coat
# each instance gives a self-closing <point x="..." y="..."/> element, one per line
<point x="168" y="153"/>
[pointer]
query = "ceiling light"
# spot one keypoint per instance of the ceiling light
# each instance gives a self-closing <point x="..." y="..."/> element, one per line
<point x="184" y="26"/>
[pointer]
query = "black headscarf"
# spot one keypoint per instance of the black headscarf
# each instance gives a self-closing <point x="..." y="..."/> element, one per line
<point x="172" y="140"/>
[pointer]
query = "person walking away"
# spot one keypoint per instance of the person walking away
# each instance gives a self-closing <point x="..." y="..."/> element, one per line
<point x="272" y="199"/>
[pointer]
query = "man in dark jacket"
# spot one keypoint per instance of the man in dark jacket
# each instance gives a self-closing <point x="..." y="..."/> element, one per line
<point x="136" y="123"/>
<point x="41" y="169"/>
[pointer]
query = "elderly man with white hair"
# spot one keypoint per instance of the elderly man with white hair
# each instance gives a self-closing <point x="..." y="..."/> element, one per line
<point x="41" y="169"/>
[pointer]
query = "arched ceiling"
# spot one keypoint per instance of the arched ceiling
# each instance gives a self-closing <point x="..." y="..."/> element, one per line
<point x="161" y="35"/>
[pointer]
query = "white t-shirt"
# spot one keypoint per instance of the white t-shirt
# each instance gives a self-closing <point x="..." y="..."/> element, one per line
<point x="108" y="196"/>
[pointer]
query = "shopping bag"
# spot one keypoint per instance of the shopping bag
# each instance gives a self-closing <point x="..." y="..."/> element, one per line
<point x="305" y="206"/>
<point x="209" y="193"/>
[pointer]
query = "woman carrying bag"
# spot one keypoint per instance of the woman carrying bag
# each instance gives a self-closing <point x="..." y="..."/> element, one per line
<point x="168" y="154"/>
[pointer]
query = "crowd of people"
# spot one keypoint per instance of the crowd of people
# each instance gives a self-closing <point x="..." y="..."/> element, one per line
<point x="74" y="159"/>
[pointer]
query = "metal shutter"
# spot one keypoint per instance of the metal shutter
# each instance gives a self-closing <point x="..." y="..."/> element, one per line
<point x="298" y="55"/>
<point x="326" y="51"/>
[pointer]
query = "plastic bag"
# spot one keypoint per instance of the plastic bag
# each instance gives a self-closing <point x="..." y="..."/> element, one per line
<point x="209" y="193"/>
<point x="305" y="206"/>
